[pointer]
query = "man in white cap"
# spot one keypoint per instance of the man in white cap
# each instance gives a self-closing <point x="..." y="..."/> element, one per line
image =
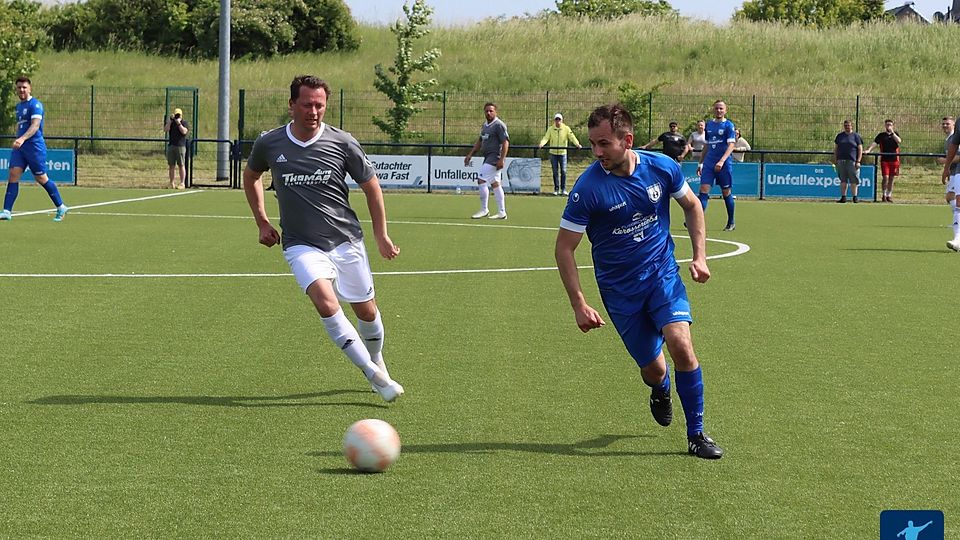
<point x="559" y="135"/>
<point x="176" y="129"/>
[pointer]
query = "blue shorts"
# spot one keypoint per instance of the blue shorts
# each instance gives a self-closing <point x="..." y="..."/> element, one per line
<point x="640" y="319"/>
<point x="724" y="178"/>
<point x="35" y="159"/>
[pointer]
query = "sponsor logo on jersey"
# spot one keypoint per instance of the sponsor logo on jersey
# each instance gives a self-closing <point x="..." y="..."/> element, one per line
<point x="319" y="177"/>
<point x="616" y="207"/>
<point x="281" y="159"/>
<point x="575" y="197"/>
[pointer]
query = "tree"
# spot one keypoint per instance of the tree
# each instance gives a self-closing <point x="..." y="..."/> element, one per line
<point x="19" y="39"/>
<point x="637" y="102"/>
<point x="612" y="9"/>
<point x="819" y="13"/>
<point x="405" y="93"/>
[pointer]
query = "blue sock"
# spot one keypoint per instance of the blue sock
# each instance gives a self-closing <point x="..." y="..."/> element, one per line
<point x="729" y="203"/>
<point x="704" y="199"/>
<point x="53" y="192"/>
<point x="664" y="385"/>
<point x="690" y="390"/>
<point x="13" y="189"/>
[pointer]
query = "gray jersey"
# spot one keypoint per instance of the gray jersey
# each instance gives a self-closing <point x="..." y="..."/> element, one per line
<point x="310" y="181"/>
<point x="954" y="138"/>
<point x="492" y="135"/>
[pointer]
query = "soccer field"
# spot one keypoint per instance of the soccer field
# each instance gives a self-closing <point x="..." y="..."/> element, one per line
<point x="163" y="376"/>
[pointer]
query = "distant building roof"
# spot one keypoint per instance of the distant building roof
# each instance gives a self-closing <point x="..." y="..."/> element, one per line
<point x="906" y="13"/>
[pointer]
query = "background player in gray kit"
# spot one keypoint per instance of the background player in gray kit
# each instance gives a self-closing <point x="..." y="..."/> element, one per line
<point x="322" y="240"/>
<point x="494" y="142"/>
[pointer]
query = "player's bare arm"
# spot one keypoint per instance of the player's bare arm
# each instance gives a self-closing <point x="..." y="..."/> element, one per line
<point x="378" y="215"/>
<point x="693" y="214"/>
<point x="504" y="148"/>
<point x="253" y="189"/>
<point x="948" y="161"/>
<point x="567" y="242"/>
<point x="469" y="156"/>
<point x="30" y="132"/>
<point x="726" y="155"/>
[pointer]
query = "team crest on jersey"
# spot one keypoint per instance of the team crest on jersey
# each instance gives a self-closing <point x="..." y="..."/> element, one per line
<point x="654" y="192"/>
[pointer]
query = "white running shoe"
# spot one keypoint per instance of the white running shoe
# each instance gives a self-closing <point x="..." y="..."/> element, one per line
<point x="5" y="215"/>
<point x="953" y="244"/>
<point x="390" y="392"/>
<point x="565" y="193"/>
<point x="499" y="215"/>
<point x="480" y="214"/>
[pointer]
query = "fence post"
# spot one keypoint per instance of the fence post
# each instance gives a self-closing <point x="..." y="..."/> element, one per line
<point x="443" y="129"/>
<point x="857" y="124"/>
<point x="546" y="110"/>
<point x="341" y="108"/>
<point x="91" y="110"/>
<point x="430" y="166"/>
<point x="763" y="156"/>
<point x="241" y="104"/>
<point x="649" y="115"/>
<point x="753" y="121"/>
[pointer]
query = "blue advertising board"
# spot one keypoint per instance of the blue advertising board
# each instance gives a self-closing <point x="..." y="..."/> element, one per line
<point x="59" y="166"/>
<point x="746" y="178"/>
<point x="811" y="181"/>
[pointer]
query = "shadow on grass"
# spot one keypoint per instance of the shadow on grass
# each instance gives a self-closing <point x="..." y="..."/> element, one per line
<point x="293" y="400"/>
<point x="942" y="251"/>
<point x="588" y="448"/>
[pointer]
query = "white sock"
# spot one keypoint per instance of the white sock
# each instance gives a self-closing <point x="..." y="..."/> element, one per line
<point x="345" y="336"/>
<point x="498" y="195"/>
<point x="484" y="196"/>
<point x="956" y="220"/>
<point x="372" y="334"/>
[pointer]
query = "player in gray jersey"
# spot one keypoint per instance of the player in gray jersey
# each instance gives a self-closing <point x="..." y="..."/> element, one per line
<point x="322" y="240"/>
<point x="494" y="142"/>
<point x="951" y="176"/>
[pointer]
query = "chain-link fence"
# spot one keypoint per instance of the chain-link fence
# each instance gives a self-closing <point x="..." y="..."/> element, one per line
<point x="767" y="122"/>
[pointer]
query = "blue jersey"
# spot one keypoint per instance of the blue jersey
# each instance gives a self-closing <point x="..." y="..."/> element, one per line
<point x="627" y="220"/>
<point x="718" y="135"/>
<point x="26" y="112"/>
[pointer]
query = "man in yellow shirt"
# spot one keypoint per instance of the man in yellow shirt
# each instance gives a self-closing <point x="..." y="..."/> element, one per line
<point x="559" y="135"/>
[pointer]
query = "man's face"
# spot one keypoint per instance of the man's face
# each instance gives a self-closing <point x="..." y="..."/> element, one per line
<point x="719" y="109"/>
<point x="947" y="126"/>
<point x="848" y="127"/>
<point x="673" y="128"/>
<point x="490" y="112"/>
<point x="888" y="126"/>
<point x="556" y="122"/>
<point x="701" y="126"/>
<point x="309" y="107"/>
<point x="608" y="147"/>
<point x="23" y="90"/>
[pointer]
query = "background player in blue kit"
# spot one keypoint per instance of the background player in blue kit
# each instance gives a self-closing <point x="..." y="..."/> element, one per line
<point x="715" y="165"/>
<point x="29" y="150"/>
<point x="622" y="203"/>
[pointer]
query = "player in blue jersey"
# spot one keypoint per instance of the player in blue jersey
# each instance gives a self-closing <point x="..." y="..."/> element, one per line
<point x="29" y="150"/>
<point x="715" y="165"/>
<point x="622" y="203"/>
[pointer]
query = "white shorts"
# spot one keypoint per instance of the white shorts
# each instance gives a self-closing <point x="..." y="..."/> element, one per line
<point x="346" y="265"/>
<point x="953" y="184"/>
<point x="489" y="173"/>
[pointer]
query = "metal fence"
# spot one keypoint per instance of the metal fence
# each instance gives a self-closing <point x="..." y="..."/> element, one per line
<point x="767" y="122"/>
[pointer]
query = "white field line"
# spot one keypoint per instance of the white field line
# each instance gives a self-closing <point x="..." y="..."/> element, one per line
<point x="120" y="201"/>
<point x="740" y="249"/>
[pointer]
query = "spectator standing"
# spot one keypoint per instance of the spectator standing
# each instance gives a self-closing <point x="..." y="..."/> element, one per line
<point x="847" y="154"/>
<point x="176" y="129"/>
<point x="739" y="147"/>
<point x="557" y="137"/>
<point x="889" y="142"/>
<point x="697" y="140"/>
<point x="674" y="145"/>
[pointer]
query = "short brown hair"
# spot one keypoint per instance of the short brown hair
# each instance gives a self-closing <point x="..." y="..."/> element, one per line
<point x="310" y="82"/>
<point x="490" y="104"/>
<point x="23" y="78"/>
<point x="620" y="120"/>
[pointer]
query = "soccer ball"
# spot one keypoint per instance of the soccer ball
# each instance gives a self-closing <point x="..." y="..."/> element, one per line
<point x="371" y="445"/>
